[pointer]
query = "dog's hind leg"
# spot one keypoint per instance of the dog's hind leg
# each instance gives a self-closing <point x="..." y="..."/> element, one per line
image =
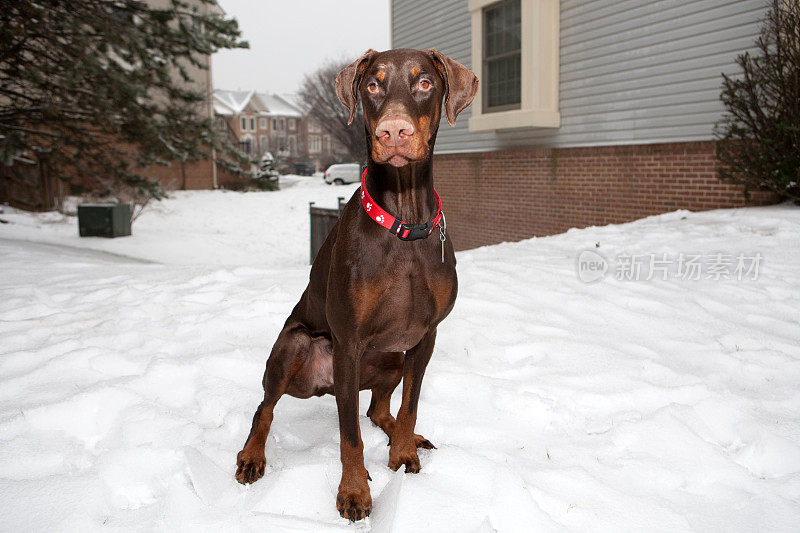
<point x="282" y="364"/>
<point x="404" y="443"/>
<point x="382" y="386"/>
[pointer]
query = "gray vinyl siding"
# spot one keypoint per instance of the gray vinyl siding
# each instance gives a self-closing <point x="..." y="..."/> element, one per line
<point x="631" y="71"/>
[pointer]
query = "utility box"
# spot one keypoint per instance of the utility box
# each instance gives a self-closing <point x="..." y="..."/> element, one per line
<point x="107" y="220"/>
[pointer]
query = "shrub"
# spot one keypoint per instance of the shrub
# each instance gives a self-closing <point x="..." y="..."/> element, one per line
<point x="759" y="134"/>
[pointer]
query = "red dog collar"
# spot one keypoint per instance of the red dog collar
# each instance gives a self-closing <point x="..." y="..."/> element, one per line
<point x="403" y="230"/>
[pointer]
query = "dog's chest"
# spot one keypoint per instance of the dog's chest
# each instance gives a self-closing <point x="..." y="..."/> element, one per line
<point x="399" y="305"/>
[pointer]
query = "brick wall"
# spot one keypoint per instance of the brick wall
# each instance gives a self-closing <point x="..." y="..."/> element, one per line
<point x="190" y="176"/>
<point x="510" y="195"/>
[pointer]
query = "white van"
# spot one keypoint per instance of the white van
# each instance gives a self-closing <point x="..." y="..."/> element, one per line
<point x="343" y="173"/>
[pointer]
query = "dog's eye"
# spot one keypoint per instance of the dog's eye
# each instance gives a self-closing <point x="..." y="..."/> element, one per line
<point x="424" y="85"/>
<point x="373" y="87"/>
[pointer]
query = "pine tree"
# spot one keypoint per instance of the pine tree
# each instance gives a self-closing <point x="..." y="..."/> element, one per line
<point x="100" y="89"/>
<point x="759" y="135"/>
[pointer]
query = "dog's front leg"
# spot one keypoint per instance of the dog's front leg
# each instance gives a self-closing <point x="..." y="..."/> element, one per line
<point x="403" y="448"/>
<point x="354" y="500"/>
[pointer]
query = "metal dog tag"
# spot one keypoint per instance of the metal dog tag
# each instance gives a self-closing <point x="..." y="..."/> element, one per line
<point x="442" y="233"/>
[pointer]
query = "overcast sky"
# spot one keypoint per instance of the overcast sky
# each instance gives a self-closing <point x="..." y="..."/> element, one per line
<point x="290" y="38"/>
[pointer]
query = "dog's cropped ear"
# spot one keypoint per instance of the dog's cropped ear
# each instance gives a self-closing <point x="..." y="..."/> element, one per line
<point x="460" y="84"/>
<point x="347" y="83"/>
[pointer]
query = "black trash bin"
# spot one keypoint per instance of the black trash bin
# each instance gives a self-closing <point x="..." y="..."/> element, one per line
<point x="322" y="221"/>
<point x="105" y="220"/>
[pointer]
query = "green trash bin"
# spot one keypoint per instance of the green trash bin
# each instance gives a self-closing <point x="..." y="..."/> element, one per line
<point x="104" y="220"/>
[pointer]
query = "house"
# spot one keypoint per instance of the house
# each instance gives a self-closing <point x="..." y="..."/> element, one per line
<point x="237" y="113"/>
<point x="263" y="122"/>
<point x="589" y="112"/>
<point x="260" y="122"/>
<point x="323" y="149"/>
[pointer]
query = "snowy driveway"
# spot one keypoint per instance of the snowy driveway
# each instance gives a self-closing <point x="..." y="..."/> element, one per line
<point x="126" y="387"/>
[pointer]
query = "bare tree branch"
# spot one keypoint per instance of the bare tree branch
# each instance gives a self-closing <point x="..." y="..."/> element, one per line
<point x="318" y="93"/>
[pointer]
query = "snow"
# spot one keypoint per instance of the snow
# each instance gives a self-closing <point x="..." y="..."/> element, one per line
<point x="231" y="102"/>
<point x="223" y="228"/>
<point x="131" y="368"/>
<point x="278" y="105"/>
<point x="234" y="102"/>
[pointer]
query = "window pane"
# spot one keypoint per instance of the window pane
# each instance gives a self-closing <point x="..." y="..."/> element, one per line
<point x="503" y="87"/>
<point x="502" y="26"/>
<point x="502" y="54"/>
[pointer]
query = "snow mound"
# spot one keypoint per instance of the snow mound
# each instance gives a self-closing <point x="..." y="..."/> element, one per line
<point x="130" y="373"/>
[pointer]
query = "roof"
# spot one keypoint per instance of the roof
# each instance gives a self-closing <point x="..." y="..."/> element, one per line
<point x="295" y="100"/>
<point x="231" y="102"/>
<point x="275" y="105"/>
<point x="266" y="104"/>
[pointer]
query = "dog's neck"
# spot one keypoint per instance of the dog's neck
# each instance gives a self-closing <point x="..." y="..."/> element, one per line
<point x="406" y="192"/>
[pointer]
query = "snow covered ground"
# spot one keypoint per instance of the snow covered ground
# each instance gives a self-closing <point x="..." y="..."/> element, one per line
<point x="204" y="227"/>
<point x="128" y="379"/>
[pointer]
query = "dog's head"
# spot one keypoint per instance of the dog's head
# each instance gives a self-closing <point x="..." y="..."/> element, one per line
<point x="402" y="92"/>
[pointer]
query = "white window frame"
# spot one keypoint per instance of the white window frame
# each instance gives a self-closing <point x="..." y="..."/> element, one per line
<point x="292" y="124"/>
<point x="539" y="68"/>
<point x="252" y="123"/>
<point x="262" y="123"/>
<point x="243" y="123"/>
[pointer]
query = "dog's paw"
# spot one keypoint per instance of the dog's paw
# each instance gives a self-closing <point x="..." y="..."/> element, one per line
<point x="407" y="457"/>
<point x="422" y="442"/>
<point x="249" y="469"/>
<point x="354" y="504"/>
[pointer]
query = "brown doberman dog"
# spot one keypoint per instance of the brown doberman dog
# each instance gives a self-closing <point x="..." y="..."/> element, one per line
<point x="375" y="297"/>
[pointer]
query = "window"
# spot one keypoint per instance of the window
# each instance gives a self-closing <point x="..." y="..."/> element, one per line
<point x="281" y="124"/>
<point x="278" y="142"/>
<point x="247" y="145"/>
<point x="502" y="42"/>
<point x="264" y="143"/>
<point x="262" y="123"/>
<point x="274" y="123"/>
<point x="314" y="145"/>
<point x="252" y="124"/>
<point x="292" y="124"/>
<point x="244" y="123"/>
<point x="326" y="143"/>
<point x="292" y="145"/>
<point x="515" y="55"/>
<point x="221" y="123"/>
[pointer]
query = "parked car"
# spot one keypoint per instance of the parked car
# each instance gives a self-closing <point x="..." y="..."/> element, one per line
<point x="304" y="169"/>
<point x="343" y="173"/>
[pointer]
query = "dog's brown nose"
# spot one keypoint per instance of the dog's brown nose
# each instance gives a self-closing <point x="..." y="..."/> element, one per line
<point x="394" y="131"/>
